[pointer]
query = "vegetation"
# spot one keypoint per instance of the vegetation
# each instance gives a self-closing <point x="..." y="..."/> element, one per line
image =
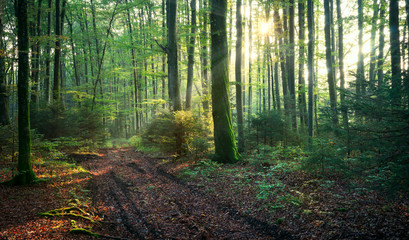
<point x="255" y="99"/>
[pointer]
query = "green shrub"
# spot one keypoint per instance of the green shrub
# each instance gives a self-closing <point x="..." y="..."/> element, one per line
<point x="177" y="132"/>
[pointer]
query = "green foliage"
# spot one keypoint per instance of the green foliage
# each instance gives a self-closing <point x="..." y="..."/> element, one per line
<point x="266" y="156"/>
<point x="324" y="157"/>
<point x="56" y="122"/>
<point x="269" y="128"/>
<point x="169" y="127"/>
<point x="204" y="168"/>
<point x="8" y="141"/>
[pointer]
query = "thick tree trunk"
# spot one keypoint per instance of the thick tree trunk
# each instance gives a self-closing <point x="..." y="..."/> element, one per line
<point x="395" y="52"/>
<point x="25" y="173"/>
<point x="225" y="145"/>
<point x="174" y="85"/>
<point x="191" y="56"/>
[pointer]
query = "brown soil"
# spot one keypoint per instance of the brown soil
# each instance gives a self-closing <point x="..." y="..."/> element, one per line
<point x="138" y="198"/>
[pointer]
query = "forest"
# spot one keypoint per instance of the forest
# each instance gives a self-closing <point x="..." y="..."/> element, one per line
<point x="197" y="119"/>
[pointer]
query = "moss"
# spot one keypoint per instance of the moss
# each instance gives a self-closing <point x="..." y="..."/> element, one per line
<point x="67" y="212"/>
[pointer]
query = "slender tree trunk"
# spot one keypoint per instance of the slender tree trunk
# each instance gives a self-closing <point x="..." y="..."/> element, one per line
<point x="372" y="65"/>
<point x="238" y="70"/>
<point x="291" y="65"/>
<point x="360" y="80"/>
<point x="57" y="53"/>
<point x="191" y="56"/>
<point x="310" y="19"/>
<point x="341" y="63"/>
<point x="35" y="61"/>
<point x="225" y="145"/>
<point x="25" y="173"/>
<point x="381" y="43"/>
<point x="330" y="72"/>
<point x="301" y="58"/>
<point x="395" y="52"/>
<point x="4" y="97"/>
<point x="204" y="58"/>
<point x="174" y="85"/>
<point x="250" y="88"/>
<point x="47" y="80"/>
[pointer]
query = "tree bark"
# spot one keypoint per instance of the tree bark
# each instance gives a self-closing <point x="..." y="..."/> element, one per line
<point x="291" y="66"/>
<point x="225" y="145"/>
<point x="395" y="52"/>
<point x="25" y="173"/>
<point x="174" y="85"/>
<point x="301" y="58"/>
<point x="341" y="63"/>
<point x="372" y="65"/>
<point x="57" y="53"/>
<point x="191" y="56"/>
<point x="4" y="97"/>
<point x="330" y="71"/>
<point x="381" y="43"/>
<point x="310" y="19"/>
<point x="360" y="77"/>
<point x="238" y="71"/>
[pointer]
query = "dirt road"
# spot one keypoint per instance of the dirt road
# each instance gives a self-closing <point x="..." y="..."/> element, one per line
<point x="138" y="198"/>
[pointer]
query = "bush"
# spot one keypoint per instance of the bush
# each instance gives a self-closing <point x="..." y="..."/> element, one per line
<point x="269" y="128"/>
<point x="56" y="122"/>
<point x="177" y="132"/>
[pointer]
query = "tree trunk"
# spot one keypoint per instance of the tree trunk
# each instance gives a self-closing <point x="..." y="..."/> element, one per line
<point x="310" y="17"/>
<point x="225" y="145"/>
<point x="25" y="173"/>
<point x="4" y="98"/>
<point x="372" y="65"/>
<point x="47" y="80"/>
<point x="330" y="72"/>
<point x="301" y="58"/>
<point x="174" y="85"/>
<point x="191" y="56"/>
<point x="250" y="88"/>
<point x="360" y="76"/>
<point x="291" y="66"/>
<point x="395" y="52"/>
<point x="57" y="53"/>
<point x="341" y="63"/>
<point x="204" y="58"/>
<point x="238" y="71"/>
<point x="381" y="42"/>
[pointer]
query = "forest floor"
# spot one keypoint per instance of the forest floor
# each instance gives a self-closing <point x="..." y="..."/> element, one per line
<point x="124" y="194"/>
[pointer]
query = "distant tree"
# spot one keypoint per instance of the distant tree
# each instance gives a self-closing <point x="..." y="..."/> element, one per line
<point x="25" y="172"/>
<point x="360" y="76"/>
<point x="57" y="52"/>
<point x="302" y="101"/>
<point x="238" y="71"/>
<point x="191" y="55"/>
<point x="310" y="19"/>
<point x="4" y="98"/>
<point x="225" y="145"/>
<point x="330" y="68"/>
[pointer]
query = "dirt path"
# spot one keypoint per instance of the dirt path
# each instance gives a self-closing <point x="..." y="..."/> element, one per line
<point x="139" y="199"/>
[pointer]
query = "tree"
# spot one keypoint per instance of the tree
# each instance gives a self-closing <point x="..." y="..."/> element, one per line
<point x="310" y="19"/>
<point x="25" y="173"/>
<point x="330" y="68"/>
<point x="341" y="63"/>
<point x="381" y="42"/>
<point x="360" y="76"/>
<point x="395" y="52"/>
<point x="373" y="48"/>
<point x="238" y="67"/>
<point x="4" y="98"/>
<point x="191" y="56"/>
<point x="301" y="58"/>
<point x="291" y="66"/>
<point x="174" y="85"/>
<point x="225" y="146"/>
<point x="57" y="53"/>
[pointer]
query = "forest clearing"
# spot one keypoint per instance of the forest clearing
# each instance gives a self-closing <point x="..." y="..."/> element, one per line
<point x="204" y="119"/>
